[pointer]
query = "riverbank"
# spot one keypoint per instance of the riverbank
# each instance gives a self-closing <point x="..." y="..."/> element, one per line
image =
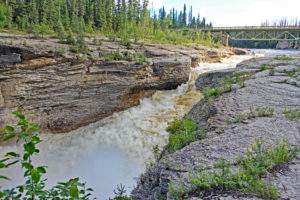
<point x="68" y="88"/>
<point x="261" y="104"/>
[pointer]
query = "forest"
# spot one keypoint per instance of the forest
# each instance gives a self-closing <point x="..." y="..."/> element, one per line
<point x="121" y="18"/>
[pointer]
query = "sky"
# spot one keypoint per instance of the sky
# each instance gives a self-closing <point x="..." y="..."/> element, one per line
<point x="236" y="12"/>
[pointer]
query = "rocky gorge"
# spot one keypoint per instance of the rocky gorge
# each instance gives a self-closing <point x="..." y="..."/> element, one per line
<point x="67" y="90"/>
<point x="256" y="109"/>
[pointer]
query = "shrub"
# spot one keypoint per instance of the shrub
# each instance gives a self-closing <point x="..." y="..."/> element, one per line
<point x="260" y="161"/>
<point x="97" y="42"/>
<point x="265" y="112"/>
<point x="292" y="114"/>
<point x="34" y="186"/>
<point x="70" y="39"/>
<point x="182" y="133"/>
<point x="74" y="49"/>
<point x="283" y="57"/>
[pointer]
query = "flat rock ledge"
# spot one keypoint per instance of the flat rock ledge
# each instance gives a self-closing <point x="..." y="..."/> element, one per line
<point x="277" y="88"/>
<point x="67" y="92"/>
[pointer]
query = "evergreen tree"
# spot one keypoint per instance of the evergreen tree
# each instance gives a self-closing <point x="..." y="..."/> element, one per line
<point x="184" y="16"/>
<point x="123" y="14"/>
<point x="130" y="10"/>
<point x="102" y="5"/>
<point x="109" y="11"/>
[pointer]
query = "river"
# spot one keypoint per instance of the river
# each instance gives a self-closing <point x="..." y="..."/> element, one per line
<point x="118" y="149"/>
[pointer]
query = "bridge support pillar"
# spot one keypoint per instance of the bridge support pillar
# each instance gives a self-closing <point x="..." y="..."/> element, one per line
<point x="225" y="38"/>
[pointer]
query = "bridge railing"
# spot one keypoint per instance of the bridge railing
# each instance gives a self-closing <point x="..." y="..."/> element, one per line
<point x="250" y="27"/>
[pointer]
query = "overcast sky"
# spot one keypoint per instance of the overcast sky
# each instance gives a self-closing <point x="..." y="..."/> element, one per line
<point x="236" y="12"/>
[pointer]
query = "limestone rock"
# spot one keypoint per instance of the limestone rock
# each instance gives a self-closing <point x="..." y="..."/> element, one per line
<point x="67" y="93"/>
<point x="229" y="140"/>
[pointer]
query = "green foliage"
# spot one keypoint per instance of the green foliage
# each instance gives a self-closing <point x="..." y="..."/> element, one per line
<point x="126" y="55"/>
<point x="74" y="49"/>
<point x="212" y="92"/>
<point x="265" y="112"/>
<point x="265" y="67"/>
<point x="140" y="58"/>
<point x="52" y="50"/>
<point x="290" y="73"/>
<point x="182" y="133"/>
<point x="40" y="30"/>
<point x="70" y="39"/>
<point x="283" y="57"/>
<point x="97" y="42"/>
<point x="62" y="51"/>
<point x="34" y="186"/>
<point x="292" y="114"/>
<point x="120" y="193"/>
<point x="177" y="191"/>
<point x="260" y="162"/>
<point x="259" y="112"/>
<point x="126" y="19"/>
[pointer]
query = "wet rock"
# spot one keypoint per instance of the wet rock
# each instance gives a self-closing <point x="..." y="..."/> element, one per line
<point x="211" y="79"/>
<point x="240" y="51"/>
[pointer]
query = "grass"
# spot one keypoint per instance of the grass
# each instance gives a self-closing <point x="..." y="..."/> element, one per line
<point x="290" y="73"/>
<point x="259" y="112"/>
<point x="283" y="57"/>
<point x="265" y="67"/>
<point x="260" y="161"/>
<point x="212" y="92"/>
<point x="126" y="55"/>
<point x="182" y="133"/>
<point x="265" y="112"/>
<point x="292" y="114"/>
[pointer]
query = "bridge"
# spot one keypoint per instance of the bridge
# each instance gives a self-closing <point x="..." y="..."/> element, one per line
<point x="275" y="33"/>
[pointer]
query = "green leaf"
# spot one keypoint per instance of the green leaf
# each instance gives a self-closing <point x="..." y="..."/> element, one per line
<point x="26" y="156"/>
<point x="79" y="184"/>
<point x="4" y="177"/>
<point x="21" y="188"/>
<point x="6" y="159"/>
<point x="35" y="175"/>
<point x="13" y="154"/>
<point x="74" y="191"/>
<point x="33" y="128"/>
<point x="41" y="170"/>
<point x="27" y="165"/>
<point x="19" y="115"/>
<point x="10" y="129"/>
<point x="2" y="165"/>
<point x="9" y="137"/>
<point x="29" y="147"/>
<point x="35" y="139"/>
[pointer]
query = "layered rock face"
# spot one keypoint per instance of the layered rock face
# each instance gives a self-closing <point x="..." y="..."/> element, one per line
<point x="66" y="93"/>
<point x="277" y="87"/>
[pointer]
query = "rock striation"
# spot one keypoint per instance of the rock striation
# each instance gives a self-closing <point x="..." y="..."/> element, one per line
<point x="67" y="92"/>
<point x="275" y="85"/>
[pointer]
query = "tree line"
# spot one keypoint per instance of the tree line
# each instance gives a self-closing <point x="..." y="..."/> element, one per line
<point x="93" y="15"/>
<point x="283" y="22"/>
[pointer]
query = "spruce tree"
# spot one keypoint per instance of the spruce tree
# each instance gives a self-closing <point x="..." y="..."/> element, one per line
<point x="184" y="16"/>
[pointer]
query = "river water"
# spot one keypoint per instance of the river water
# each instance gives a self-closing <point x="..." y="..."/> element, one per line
<point x="117" y="149"/>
